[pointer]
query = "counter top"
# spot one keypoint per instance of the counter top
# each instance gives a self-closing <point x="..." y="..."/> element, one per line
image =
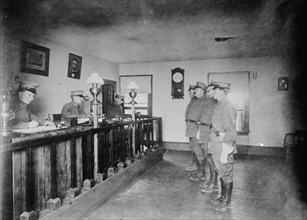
<point x="44" y="134"/>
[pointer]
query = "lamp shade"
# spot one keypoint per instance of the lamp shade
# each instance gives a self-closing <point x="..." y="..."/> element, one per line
<point x="95" y="78"/>
<point x="132" y="85"/>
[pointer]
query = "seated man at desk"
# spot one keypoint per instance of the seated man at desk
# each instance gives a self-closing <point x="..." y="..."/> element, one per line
<point x="115" y="110"/>
<point x="23" y="116"/>
<point x="73" y="108"/>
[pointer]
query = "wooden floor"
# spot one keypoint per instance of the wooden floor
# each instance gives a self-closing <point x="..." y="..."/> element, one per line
<point x="264" y="188"/>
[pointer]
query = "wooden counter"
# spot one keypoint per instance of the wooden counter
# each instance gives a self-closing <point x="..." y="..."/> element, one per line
<point x="37" y="167"/>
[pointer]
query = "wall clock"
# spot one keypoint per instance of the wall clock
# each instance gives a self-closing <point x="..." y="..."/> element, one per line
<point x="177" y="83"/>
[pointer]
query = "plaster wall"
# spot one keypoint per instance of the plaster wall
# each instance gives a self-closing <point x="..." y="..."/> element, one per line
<point x="54" y="90"/>
<point x="271" y="114"/>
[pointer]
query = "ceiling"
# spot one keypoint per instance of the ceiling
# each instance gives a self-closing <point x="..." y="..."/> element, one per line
<point x="136" y="31"/>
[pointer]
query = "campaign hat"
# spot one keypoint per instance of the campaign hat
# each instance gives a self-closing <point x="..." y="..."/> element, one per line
<point x="120" y="95"/>
<point x="77" y="93"/>
<point x="29" y="86"/>
<point x="221" y="85"/>
<point x="201" y="85"/>
<point x="80" y="94"/>
<point x="191" y="87"/>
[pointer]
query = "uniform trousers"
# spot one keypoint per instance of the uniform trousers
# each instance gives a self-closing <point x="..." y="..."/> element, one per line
<point x="207" y="156"/>
<point x="225" y="171"/>
<point x="197" y="149"/>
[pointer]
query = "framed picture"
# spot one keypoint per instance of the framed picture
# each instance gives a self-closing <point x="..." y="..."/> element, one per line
<point x="34" y="59"/>
<point x="74" y="66"/>
<point x="283" y="83"/>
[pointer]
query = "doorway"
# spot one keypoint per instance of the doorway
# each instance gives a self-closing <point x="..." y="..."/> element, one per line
<point x="108" y="90"/>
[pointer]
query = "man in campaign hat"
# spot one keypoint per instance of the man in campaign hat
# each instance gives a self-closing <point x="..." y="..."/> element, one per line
<point x="205" y="125"/>
<point x="192" y="128"/>
<point x="115" y="110"/>
<point x="73" y="108"/>
<point x="23" y="116"/>
<point x="222" y="143"/>
<point x="191" y="90"/>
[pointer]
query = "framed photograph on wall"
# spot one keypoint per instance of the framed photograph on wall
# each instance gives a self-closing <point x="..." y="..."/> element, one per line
<point x="34" y="59"/>
<point x="74" y="66"/>
<point x="283" y="83"/>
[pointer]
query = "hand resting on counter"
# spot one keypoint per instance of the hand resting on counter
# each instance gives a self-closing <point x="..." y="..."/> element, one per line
<point x="33" y="124"/>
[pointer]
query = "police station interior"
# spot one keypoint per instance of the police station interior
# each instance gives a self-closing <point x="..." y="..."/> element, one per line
<point x="256" y="45"/>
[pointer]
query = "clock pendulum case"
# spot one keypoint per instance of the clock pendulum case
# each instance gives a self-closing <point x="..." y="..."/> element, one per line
<point x="177" y="83"/>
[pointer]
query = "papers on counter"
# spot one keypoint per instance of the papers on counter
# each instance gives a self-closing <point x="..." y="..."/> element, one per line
<point x="37" y="129"/>
<point x="82" y="120"/>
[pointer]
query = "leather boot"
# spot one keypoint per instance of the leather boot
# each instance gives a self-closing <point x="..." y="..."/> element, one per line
<point x="211" y="186"/>
<point x="196" y="177"/>
<point x="205" y="185"/>
<point x="225" y="205"/>
<point x="203" y="169"/>
<point x="205" y="175"/>
<point x="219" y="200"/>
<point x="193" y="165"/>
<point x="214" y="177"/>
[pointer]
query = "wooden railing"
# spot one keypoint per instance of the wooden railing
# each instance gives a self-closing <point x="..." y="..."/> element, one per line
<point x="37" y="169"/>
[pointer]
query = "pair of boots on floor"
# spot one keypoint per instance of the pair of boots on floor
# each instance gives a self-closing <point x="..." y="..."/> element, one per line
<point x="199" y="175"/>
<point x="223" y="202"/>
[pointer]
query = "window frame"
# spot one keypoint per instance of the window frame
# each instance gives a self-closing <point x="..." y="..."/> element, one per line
<point x="150" y="95"/>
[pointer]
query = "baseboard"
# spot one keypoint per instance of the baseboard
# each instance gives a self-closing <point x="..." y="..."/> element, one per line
<point x="82" y="206"/>
<point x="242" y="149"/>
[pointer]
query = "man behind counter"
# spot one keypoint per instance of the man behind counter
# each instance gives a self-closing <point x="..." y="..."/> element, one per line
<point x="73" y="108"/>
<point x="115" y="110"/>
<point x="23" y="116"/>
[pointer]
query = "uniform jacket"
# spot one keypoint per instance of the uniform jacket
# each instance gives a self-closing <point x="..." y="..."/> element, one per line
<point x="205" y="117"/>
<point x="194" y="114"/>
<point x="187" y="110"/>
<point x="72" y="109"/>
<point x="223" y="120"/>
<point x="114" y="111"/>
<point x="23" y="115"/>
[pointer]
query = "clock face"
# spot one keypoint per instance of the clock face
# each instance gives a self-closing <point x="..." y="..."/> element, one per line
<point x="177" y="77"/>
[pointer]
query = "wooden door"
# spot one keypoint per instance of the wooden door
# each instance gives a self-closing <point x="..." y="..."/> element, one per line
<point x="107" y="94"/>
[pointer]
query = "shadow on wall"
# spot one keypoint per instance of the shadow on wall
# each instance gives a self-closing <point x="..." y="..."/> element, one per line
<point x="300" y="92"/>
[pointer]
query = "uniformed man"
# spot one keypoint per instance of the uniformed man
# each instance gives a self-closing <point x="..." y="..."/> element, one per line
<point x="73" y="108"/>
<point x="222" y="143"/>
<point x="192" y="127"/>
<point x="23" y="116"/>
<point x="115" y="110"/>
<point x="205" y="126"/>
<point x="191" y="90"/>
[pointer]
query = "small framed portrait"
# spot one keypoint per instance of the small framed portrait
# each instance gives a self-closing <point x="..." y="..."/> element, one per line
<point x="283" y="83"/>
<point x="74" y="66"/>
<point x="34" y="59"/>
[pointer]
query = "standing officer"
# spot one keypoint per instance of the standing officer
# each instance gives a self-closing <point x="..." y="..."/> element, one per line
<point x="205" y="126"/>
<point x="23" y="116"/>
<point x="115" y="110"/>
<point x="191" y="90"/>
<point x="192" y="128"/>
<point x="222" y="143"/>
<point x="73" y="108"/>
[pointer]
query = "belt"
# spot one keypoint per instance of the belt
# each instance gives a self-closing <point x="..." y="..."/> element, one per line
<point x="199" y="123"/>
